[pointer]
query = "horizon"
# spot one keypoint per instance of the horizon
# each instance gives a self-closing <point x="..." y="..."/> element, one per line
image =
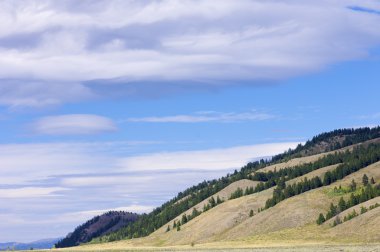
<point x="121" y="105"/>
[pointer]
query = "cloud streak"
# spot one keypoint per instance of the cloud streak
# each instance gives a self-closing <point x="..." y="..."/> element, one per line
<point x="202" y="117"/>
<point x="214" y="159"/>
<point x="73" y="124"/>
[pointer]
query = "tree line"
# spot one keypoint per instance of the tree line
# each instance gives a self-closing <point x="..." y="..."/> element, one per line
<point x="360" y="158"/>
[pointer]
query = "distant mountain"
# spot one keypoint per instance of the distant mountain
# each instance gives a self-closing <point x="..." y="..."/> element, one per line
<point x="40" y="244"/>
<point x="97" y="226"/>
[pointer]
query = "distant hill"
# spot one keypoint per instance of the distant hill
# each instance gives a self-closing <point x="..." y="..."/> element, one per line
<point x="97" y="226"/>
<point x="40" y="244"/>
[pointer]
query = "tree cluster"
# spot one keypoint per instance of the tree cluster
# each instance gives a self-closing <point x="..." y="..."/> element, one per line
<point x="360" y="158"/>
<point x="366" y="193"/>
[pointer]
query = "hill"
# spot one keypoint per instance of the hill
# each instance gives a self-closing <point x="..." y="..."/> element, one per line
<point x="40" y="244"/>
<point x="276" y="201"/>
<point x="97" y="226"/>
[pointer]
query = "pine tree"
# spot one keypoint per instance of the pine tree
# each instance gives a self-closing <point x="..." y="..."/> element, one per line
<point x="184" y="219"/>
<point x="168" y="229"/>
<point x="212" y="202"/>
<point x="342" y="204"/>
<point x="179" y="227"/>
<point x="321" y="219"/>
<point x="218" y="200"/>
<point x="353" y="186"/>
<point x="372" y="181"/>
<point x="251" y="213"/>
<point x="365" y="180"/>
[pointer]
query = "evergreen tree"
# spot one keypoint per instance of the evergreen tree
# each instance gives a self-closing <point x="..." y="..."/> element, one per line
<point x="218" y="200"/>
<point x="179" y="227"/>
<point x="184" y="219"/>
<point x="342" y="205"/>
<point x="353" y="185"/>
<point x="372" y="181"/>
<point x="168" y="229"/>
<point x="251" y="213"/>
<point x="321" y="219"/>
<point x="365" y="180"/>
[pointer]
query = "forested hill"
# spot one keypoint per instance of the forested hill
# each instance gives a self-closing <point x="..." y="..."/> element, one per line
<point x="188" y="200"/>
<point x="97" y="226"/>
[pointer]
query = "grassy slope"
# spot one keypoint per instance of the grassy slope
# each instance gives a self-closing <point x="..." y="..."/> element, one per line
<point x="291" y="222"/>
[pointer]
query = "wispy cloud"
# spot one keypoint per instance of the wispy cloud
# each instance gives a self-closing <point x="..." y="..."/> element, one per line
<point x="30" y="192"/>
<point x="208" y="116"/>
<point x="73" y="124"/>
<point x="66" y="47"/>
<point x="214" y="159"/>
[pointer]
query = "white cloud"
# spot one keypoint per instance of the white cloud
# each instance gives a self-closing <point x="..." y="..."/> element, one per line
<point x="73" y="124"/>
<point x="135" y="41"/>
<point x="206" y="117"/>
<point x="214" y="159"/>
<point x="131" y="208"/>
<point x="30" y="192"/>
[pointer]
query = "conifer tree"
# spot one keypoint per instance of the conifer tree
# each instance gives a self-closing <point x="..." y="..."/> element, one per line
<point x="184" y="219"/>
<point x="353" y="185"/>
<point x="251" y="213"/>
<point x="218" y="200"/>
<point x="365" y="180"/>
<point x="342" y="204"/>
<point x="321" y="219"/>
<point x="372" y="181"/>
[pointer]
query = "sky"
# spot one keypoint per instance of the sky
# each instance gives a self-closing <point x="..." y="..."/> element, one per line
<point x="120" y="105"/>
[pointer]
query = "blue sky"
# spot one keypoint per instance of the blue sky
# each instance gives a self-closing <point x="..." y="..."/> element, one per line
<point x="122" y="104"/>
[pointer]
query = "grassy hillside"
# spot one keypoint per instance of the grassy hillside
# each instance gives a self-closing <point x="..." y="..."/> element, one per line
<point x="234" y="210"/>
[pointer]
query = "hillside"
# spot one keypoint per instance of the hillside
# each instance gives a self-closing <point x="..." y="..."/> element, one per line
<point x="274" y="201"/>
<point x="97" y="226"/>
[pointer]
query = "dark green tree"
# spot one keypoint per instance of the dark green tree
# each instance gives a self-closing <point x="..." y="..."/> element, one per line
<point x="321" y="219"/>
<point x="365" y="180"/>
<point x="372" y="181"/>
<point x="184" y="219"/>
<point x="342" y="204"/>
<point x="353" y="185"/>
<point x="251" y="213"/>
